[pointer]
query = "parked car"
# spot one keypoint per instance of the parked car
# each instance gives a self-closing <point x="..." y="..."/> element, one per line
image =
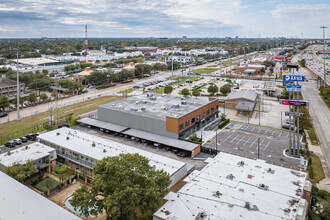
<point x="24" y="139"/>
<point x="18" y="141"/>
<point x="31" y="137"/>
<point x="175" y="150"/>
<point x="183" y="154"/>
<point x="3" y="114"/>
<point x="10" y="144"/>
<point x="287" y="127"/>
<point x="168" y="148"/>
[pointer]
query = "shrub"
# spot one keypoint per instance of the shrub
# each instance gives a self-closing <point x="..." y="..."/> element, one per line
<point x="323" y="194"/>
<point x="61" y="170"/>
<point x="315" y="191"/>
<point x="34" y="181"/>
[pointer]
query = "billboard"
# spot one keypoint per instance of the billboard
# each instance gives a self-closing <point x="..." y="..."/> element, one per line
<point x="293" y="102"/>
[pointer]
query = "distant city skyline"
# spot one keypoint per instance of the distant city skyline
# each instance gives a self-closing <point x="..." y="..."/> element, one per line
<point x="167" y="18"/>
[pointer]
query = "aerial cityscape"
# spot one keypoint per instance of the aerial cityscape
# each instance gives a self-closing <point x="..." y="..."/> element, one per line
<point x="168" y="110"/>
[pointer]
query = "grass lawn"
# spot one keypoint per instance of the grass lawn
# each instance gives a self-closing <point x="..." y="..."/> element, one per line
<point x="32" y="123"/>
<point x="318" y="173"/>
<point x="42" y="184"/>
<point x="206" y="70"/>
<point x="312" y="136"/>
<point x="126" y="91"/>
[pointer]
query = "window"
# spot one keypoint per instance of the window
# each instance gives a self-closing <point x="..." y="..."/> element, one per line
<point x="180" y="126"/>
<point x="82" y="157"/>
<point x="193" y="120"/>
<point x="216" y="107"/>
<point x="198" y="117"/>
<point x="203" y="115"/>
<point x="51" y="155"/>
<point x="187" y="123"/>
<point x="87" y="159"/>
<point x="212" y="109"/>
<point x="207" y="112"/>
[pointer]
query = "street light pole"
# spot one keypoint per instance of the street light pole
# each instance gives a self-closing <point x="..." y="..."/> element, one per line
<point x="18" y="88"/>
<point x="324" y="27"/>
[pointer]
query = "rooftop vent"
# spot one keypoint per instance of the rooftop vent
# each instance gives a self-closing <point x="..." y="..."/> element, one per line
<point x="67" y="138"/>
<point x="182" y="98"/>
<point x="144" y="102"/>
<point x="270" y="171"/>
<point x="26" y="147"/>
<point x="137" y="102"/>
<point x="241" y="190"/>
<point x="217" y="194"/>
<point x="184" y="103"/>
<point x="93" y="144"/>
<point x="230" y="177"/>
<point x="251" y="207"/>
<point x="297" y="183"/>
<point x="8" y="153"/>
<point x="57" y="133"/>
<point x="241" y="163"/>
<point x="150" y="95"/>
<point x="263" y="186"/>
<point x="104" y="150"/>
<point x="201" y="215"/>
<point x="153" y="98"/>
<point x="143" y="109"/>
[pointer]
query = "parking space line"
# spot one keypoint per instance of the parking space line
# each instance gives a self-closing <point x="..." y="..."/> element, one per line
<point x="234" y="138"/>
<point x="253" y="128"/>
<point x="266" y="146"/>
<point x="228" y="137"/>
<point x="259" y="144"/>
<point x="240" y="140"/>
<point x="246" y="141"/>
<point x="253" y="142"/>
<point x="287" y="135"/>
<point x="259" y="130"/>
<point x="266" y="130"/>
<point x="273" y="132"/>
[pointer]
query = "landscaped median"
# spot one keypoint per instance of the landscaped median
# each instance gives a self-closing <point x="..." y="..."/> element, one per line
<point x="130" y="90"/>
<point x="206" y="70"/>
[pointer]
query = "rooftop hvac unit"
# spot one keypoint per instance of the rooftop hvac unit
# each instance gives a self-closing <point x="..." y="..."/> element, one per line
<point x="67" y="138"/>
<point x="93" y="144"/>
<point x="150" y="95"/>
<point x="175" y="106"/>
<point x="137" y="102"/>
<point x="144" y="102"/>
<point x="58" y="133"/>
<point x="104" y="150"/>
<point x="113" y="104"/>
<point x="184" y="102"/>
<point x="143" y="109"/>
<point x="153" y="98"/>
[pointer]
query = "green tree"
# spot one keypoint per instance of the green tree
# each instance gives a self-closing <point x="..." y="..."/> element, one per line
<point x="97" y="78"/>
<point x="225" y="89"/>
<point x="185" y="92"/>
<point x="125" y="75"/>
<point x="4" y="102"/>
<point x="20" y="100"/>
<point x="32" y="98"/>
<point x="142" y="68"/>
<point x="262" y="70"/>
<point x="66" y="92"/>
<point x="21" y="172"/>
<point x="128" y="185"/>
<point x="196" y="93"/>
<point x="213" y="89"/>
<point x="302" y="63"/>
<point x="42" y="84"/>
<point x="43" y="96"/>
<point x="168" y="89"/>
<point x="44" y="71"/>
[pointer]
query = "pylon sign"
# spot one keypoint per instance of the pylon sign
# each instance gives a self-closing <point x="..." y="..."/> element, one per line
<point x="293" y="77"/>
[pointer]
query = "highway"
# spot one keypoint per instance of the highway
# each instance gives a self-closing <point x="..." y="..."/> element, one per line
<point x="319" y="112"/>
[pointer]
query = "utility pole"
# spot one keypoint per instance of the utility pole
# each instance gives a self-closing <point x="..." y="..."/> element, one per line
<point x="18" y="88"/>
<point x="172" y="61"/>
<point x="216" y="141"/>
<point x="258" y="146"/>
<point x="324" y="27"/>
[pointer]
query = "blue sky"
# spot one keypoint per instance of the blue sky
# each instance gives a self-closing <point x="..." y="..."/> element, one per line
<point x="163" y="18"/>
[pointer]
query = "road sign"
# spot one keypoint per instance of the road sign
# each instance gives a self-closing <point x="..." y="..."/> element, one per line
<point x="293" y="88"/>
<point x="293" y="77"/>
<point x="296" y="114"/>
<point x="326" y="58"/>
<point x="294" y="102"/>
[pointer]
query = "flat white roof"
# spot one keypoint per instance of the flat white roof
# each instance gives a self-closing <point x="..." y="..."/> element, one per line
<point x="35" y="61"/>
<point x="247" y="189"/>
<point x="22" y="155"/>
<point x="81" y="142"/>
<point x="21" y="202"/>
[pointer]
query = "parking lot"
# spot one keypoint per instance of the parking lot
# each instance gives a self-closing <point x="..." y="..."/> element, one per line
<point x="242" y="140"/>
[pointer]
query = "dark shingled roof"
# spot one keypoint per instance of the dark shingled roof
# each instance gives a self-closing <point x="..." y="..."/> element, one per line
<point x="7" y="82"/>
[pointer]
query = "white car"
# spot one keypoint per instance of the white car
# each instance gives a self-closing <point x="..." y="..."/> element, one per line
<point x="18" y="141"/>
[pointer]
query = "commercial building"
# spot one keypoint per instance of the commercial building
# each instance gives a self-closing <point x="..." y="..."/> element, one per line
<point x="233" y="187"/>
<point x="270" y="88"/>
<point x="44" y="157"/>
<point x="250" y="69"/>
<point x="21" y="202"/>
<point x="80" y="151"/>
<point x="8" y="87"/>
<point x="242" y="101"/>
<point x="165" y="115"/>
